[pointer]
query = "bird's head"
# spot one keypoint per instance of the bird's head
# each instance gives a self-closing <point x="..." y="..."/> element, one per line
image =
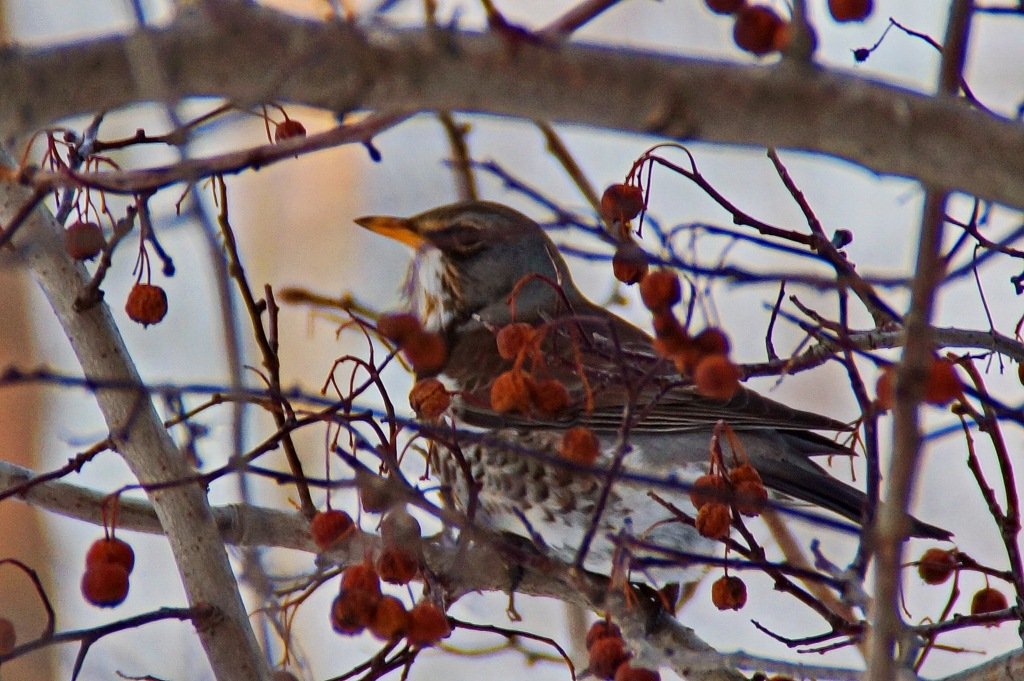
<point x="472" y="256"/>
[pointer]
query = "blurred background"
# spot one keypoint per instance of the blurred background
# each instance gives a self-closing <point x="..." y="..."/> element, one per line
<point x="294" y="222"/>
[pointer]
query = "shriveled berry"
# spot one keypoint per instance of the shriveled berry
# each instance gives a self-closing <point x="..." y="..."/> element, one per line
<point x="622" y="202"/>
<point x="429" y="398"/>
<point x="712" y="341"/>
<point x="755" y="28"/>
<point x="606" y="655"/>
<point x="729" y="593"/>
<point x="398" y="326"/>
<point x="353" y="610"/>
<point x="427" y="625"/>
<point x="660" y="290"/>
<point x="397" y="565"/>
<point x="111" y="550"/>
<point x="725" y="6"/>
<point x="399" y="528"/>
<point x="425" y="351"/>
<point x="374" y="495"/>
<point x="105" y="584"/>
<point x="510" y="392"/>
<point x="716" y="377"/>
<point x="361" y="577"/>
<point x="8" y="637"/>
<point x="513" y="339"/>
<point x="708" y="489"/>
<point x="943" y="384"/>
<point x="749" y="498"/>
<point x="146" y="304"/>
<point x="936" y="565"/>
<point x="550" y="396"/>
<point x="713" y="520"/>
<point x="84" y="240"/>
<point x="850" y="10"/>
<point x="287" y="129"/>
<point x="744" y="473"/>
<point x="601" y="629"/>
<point x="580" y="445"/>
<point x="627" y="672"/>
<point x="988" y="600"/>
<point x="629" y="264"/>
<point x="391" y="619"/>
<point x="329" y="527"/>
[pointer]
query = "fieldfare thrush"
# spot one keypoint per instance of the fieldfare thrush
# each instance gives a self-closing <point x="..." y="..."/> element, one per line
<point x="482" y="266"/>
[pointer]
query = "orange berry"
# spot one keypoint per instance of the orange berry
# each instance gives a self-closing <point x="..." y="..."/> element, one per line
<point x="549" y="396"/>
<point x="513" y="339"/>
<point x="329" y="527"/>
<point x="398" y="326"/>
<point x="627" y="672"/>
<point x="713" y="520"/>
<point x="885" y="387"/>
<point x="287" y="129"/>
<point x="755" y="28"/>
<point x="943" y="384"/>
<point x="146" y="304"/>
<point x="105" y="584"/>
<point x="427" y="625"/>
<point x="850" y="10"/>
<point x="8" y="637"/>
<point x="84" y="240"/>
<point x="622" y="202"/>
<point x="629" y="264"/>
<point x="397" y="565"/>
<point x="352" y="611"/>
<point x="936" y="565"/>
<point x="391" y="620"/>
<point x="729" y="593"/>
<point x="660" y="290"/>
<point x="580" y="445"/>
<point x="605" y="656"/>
<point x="744" y="473"/>
<point x="716" y="377"/>
<point x="725" y="6"/>
<point x="749" y="498"/>
<point x="602" y="629"/>
<point x="425" y="351"/>
<point x="510" y="392"/>
<point x="988" y="600"/>
<point x="712" y="341"/>
<point x="429" y="398"/>
<point x="708" y="489"/>
<point x="361" y="577"/>
<point x="111" y="550"/>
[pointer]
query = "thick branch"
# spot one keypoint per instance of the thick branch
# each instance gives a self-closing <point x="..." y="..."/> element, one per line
<point x="249" y="54"/>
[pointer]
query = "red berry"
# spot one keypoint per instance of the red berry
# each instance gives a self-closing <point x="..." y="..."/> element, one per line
<point x="660" y="290"/>
<point x="425" y="351"/>
<point x="725" y="6"/>
<point x="755" y="29"/>
<point x="708" y="489"/>
<point x="943" y="384"/>
<point x="629" y="264"/>
<point x="111" y="550"/>
<point x="988" y="600"/>
<point x="354" y="610"/>
<point x="714" y="520"/>
<point x="329" y="527"/>
<point x="550" y="397"/>
<point x="287" y="129"/>
<point x="391" y="619"/>
<point x="580" y="445"/>
<point x="885" y="387"/>
<point x="146" y="304"/>
<point x="601" y="629"/>
<point x="622" y="202"/>
<point x="716" y="377"/>
<point x="936" y="565"/>
<point x="510" y="392"/>
<point x="427" y="625"/>
<point x="398" y="326"/>
<point x="729" y="593"/>
<point x="850" y="10"/>
<point x="361" y="577"/>
<point x="105" y="584"/>
<point x="513" y="339"/>
<point x="429" y="398"/>
<point x="605" y="656"/>
<point x="627" y="672"/>
<point x="397" y="565"/>
<point x="84" y="240"/>
<point x="711" y="341"/>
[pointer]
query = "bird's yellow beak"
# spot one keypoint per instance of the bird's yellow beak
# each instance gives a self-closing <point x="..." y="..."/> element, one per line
<point x="399" y="229"/>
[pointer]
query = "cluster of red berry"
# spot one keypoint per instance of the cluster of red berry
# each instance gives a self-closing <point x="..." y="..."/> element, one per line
<point x="425" y="350"/>
<point x="941" y="387"/>
<point x="718" y="493"/>
<point x="759" y="29"/>
<point x="937" y="565"/>
<point x="517" y="390"/>
<point x="609" y="658"/>
<point x="108" y="563"/>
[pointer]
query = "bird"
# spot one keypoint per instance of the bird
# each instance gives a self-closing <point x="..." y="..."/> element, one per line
<point x="482" y="266"/>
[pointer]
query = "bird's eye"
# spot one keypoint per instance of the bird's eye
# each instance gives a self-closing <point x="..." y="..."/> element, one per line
<point x="458" y="240"/>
